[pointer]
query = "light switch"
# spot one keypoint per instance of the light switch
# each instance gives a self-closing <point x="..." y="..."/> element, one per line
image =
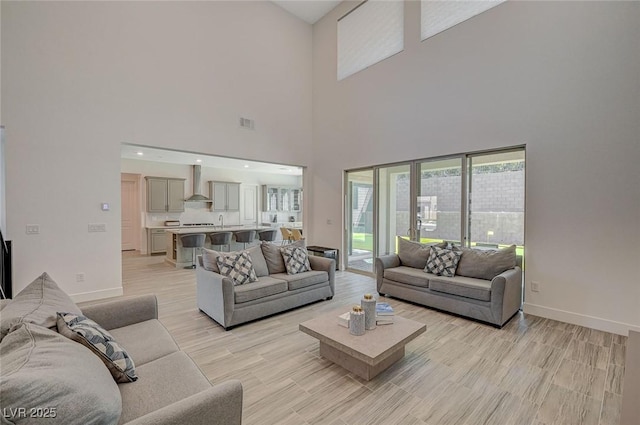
<point x="33" y="229"/>
<point x="104" y="206"/>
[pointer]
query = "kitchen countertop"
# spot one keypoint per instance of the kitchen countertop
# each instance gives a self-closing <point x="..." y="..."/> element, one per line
<point x="211" y="229"/>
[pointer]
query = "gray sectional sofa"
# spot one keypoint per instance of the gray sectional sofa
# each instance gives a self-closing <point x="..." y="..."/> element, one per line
<point x="487" y="285"/>
<point x="273" y="292"/>
<point x="60" y="381"/>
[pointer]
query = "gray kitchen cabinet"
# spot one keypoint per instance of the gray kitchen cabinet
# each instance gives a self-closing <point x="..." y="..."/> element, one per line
<point x="157" y="241"/>
<point x="165" y="194"/>
<point x="225" y="195"/>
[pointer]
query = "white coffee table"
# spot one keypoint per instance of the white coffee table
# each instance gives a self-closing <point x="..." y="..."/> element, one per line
<point x="367" y="355"/>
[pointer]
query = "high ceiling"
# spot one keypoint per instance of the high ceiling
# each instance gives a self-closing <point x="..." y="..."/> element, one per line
<point x="308" y="10"/>
<point x="145" y="153"/>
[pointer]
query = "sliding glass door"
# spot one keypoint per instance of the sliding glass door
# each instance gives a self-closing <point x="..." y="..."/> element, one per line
<point x="496" y="200"/>
<point x="394" y="206"/>
<point x="439" y="200"/>
<point x="359" y="220"/>
<point x="474" y="199"/>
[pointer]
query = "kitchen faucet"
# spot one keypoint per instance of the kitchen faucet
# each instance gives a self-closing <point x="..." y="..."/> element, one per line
<point x="221" y="220"/>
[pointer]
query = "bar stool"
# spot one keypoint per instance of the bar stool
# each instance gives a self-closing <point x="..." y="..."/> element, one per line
<point x="245" y="236"/>
<point x="296" y="234"/>
<point x="267" y="235"/>
<point x="286" y="235"/>
<point x="193" y="241"/>
<point x="220" y="239"/>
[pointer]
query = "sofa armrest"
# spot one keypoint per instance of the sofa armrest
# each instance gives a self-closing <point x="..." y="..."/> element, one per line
<point x="327" y="265"/>
<point x="122" y="312"/>
<point x="385" y="262"/>
<point x="506" y="293"/>
<point x="215" y="295"/>
<point x="218" y="405"/>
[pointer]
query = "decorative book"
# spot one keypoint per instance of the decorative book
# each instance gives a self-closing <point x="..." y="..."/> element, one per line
<point x="343" y="319"/>
<point x="384" y="309"/>
<point x="385" y="320"/>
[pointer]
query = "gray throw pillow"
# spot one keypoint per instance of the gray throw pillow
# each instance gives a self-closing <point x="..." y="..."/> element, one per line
<point x="415" y="254"/>
<point x="62" y="381"/>
<point x="486" y="264"/>
<point x="210" y="260"/>
<point x="273" y="256"/>
<point x="38" y="303"/>
<point x="85" y="331"/>
<point x="238" y="266"/>
<point x="296" y="259"/>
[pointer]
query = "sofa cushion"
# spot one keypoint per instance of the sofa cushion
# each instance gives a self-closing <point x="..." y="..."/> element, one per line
<point x="43" y="369"/>
<point x="145" y="341"/>
<point x="468" y="287"/>
<point x="443" y="262"/>
<point x="38" y="303"/>
<point x="486" y="264"/>
<point x="93" y="336"/>
<point x="261" y="288"/>
<point x="273" y="256"/>
<point x="415" y="254"/>
<point x="302" y="280"/>
<point x="407" y="275"/>
<point x="210" y="260"/>
<point x="296" y="259"/>
<point x="238" y="266"/>
<point x="162" y="382"/>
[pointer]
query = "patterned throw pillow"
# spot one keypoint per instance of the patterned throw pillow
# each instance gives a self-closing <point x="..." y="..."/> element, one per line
<point x="296" y="259"/>
<point x="443" y="262"/>
<point x="93" y="336"/>
<point x="238" y="266"/>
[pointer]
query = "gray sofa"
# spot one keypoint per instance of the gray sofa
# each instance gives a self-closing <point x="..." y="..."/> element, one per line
<point x="53" y="377"/>
<point x="274" y="291"/>
<point x="488" y="288"/>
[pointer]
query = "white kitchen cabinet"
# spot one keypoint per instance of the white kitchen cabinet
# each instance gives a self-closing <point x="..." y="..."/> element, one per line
<point x="281" y="199"/>
<point x="165" y="194"/>
<point x="225" y="195"/>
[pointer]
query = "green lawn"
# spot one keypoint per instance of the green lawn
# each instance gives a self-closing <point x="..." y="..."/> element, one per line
<point x="364" y="241"/>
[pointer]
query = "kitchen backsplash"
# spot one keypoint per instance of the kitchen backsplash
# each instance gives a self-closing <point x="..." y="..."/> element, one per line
<point x="193" y="215"/>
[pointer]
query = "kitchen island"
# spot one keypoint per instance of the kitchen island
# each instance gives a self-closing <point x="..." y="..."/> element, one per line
<point x="181" y="257"/>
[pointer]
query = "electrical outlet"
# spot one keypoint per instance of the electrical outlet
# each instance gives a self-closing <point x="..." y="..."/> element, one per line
<point x="329" y="221"/>
<point x="535" y="286"/>
<point x="33" y="229"/>
<point x="79" y="277"/>
<point x="97" y="227"/>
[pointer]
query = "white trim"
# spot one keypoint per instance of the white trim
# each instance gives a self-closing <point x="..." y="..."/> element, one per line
<point x="580" y="319"/>
<point x="97" y="295"/>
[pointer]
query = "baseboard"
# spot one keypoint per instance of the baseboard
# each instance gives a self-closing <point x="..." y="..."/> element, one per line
<point x="580" y="319"/>
<point x="97" y="295"/>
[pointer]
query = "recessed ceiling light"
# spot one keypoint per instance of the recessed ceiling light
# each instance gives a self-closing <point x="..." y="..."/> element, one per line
<point x="198" y="160"/>
<point x="246" y="165"/>
<point x="139" y="153"/>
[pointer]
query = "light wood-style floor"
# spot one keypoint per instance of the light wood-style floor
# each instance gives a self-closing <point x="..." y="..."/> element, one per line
<point x="534" y="371"/>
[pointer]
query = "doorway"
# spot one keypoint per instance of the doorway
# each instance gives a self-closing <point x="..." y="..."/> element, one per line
<point x="130" y="194"/>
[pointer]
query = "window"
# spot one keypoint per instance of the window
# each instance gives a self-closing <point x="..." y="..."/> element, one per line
<point x="371" y="32"/>
<point x="437" y="16"/>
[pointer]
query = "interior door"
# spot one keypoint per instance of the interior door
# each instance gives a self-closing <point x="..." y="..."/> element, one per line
<point x="129" y="191"/>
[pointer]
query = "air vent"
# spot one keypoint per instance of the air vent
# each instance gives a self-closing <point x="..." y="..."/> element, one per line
<point x="247" y="123"/>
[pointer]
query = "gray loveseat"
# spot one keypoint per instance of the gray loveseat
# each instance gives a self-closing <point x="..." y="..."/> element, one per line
<point x="274" y="291"/>
<point x="59" y="381"/>
<point x="487" y="285"/>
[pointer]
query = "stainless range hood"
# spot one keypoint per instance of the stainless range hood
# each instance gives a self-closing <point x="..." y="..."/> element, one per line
<point x="197" y="196"/>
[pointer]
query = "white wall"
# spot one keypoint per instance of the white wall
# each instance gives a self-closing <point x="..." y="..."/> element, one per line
<point x="80" y="78"/>
<point x="562" y="78"/>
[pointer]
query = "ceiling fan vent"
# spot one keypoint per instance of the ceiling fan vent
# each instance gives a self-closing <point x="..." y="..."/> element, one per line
<point x="247" y="123"/>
